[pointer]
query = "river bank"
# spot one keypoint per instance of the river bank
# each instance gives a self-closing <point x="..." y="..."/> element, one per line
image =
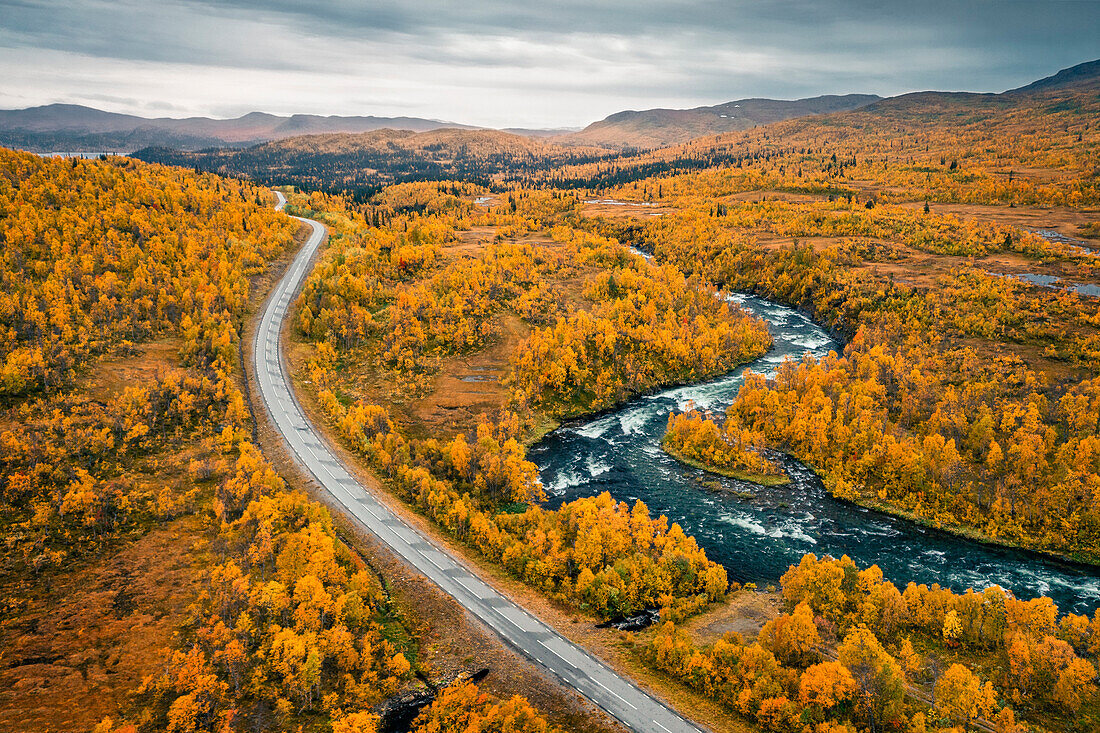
<point x="758" y="540"/>
<point x="752" y="478"/>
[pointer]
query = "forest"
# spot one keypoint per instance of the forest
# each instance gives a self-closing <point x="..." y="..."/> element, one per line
<point x="289" y="626"/>
<point x="580" y="295"/>
<point x="922" y="412"/>
<point x="1035" y="147"/>
<point x="959" y="391"/>
<point x="696" y="440"/>
<point x="1029" y="146"/>
<point x="478" y="291"/>
<point x="852" y="652"/>
<point x="360" y="165"/>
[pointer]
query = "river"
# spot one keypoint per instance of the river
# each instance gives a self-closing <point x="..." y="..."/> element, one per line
<point x="757" y="539"/>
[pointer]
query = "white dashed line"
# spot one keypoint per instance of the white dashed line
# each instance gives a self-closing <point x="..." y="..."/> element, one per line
<point x="423" y="555"/>
<point x="611" y="691"/>
<point x="547" y="647"/>
<point x="318" y="460"/>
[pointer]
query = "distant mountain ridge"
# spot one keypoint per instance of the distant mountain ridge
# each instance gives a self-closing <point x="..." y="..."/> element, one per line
<point x="70" y="127"/>
<point x="67" y="127"/>
<point x="653" y="128"/>
<point x="656" y="128"/>
<point x="75" y="127"/>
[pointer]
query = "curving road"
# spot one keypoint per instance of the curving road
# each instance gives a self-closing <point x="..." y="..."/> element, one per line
<point x="574" y="666"/>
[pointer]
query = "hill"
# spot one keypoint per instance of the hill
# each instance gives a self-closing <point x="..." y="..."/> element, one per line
<point x="1075" y="76"/>
<point x="929" y="144"/>
<point x="68" y="127"/>
<point x="980" y="133"/>
<point x="365" y="161"/>
<point x="654" y="128"/>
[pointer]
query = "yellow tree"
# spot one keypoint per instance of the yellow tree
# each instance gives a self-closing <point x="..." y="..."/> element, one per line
<point x="880" y="683"/>
<point x="958" y="694"/>
<point x="826" y="685"/>
<point x="794" y="638"/>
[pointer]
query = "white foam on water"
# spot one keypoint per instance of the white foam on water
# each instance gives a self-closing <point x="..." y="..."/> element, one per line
<point x="794" y="532"/>
<point x="744" y="523"/>
<point x="878" y="530"/>
<point x="703" y="396"/>
<point x="595" y="466"/>
<point x="1084" y="586"/>
<point x="565" y="479"/>
<point x="631" y="421"/>
<point x="701" y="400"/>
<point x="811" y="341"/>
<point x="596" y="428"/>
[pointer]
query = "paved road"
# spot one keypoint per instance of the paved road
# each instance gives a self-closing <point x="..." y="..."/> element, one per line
<point x="635" y="709"/>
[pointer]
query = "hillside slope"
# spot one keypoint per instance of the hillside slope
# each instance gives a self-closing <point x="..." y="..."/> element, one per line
<point x="1086" y="73"/>
<point x="653" y="128"/>
<point x="1024" y="145"/>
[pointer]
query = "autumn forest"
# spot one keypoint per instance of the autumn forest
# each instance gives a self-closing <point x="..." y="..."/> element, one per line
<point x="171" y="564"/>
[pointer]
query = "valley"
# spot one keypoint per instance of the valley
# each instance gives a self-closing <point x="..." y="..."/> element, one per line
<point x="767" y="415"/>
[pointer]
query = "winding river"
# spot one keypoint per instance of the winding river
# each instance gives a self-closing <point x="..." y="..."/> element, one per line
<point x="757" y="538"/>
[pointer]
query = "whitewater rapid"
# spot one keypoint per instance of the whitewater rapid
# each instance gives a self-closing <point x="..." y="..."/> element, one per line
<point x="758" y="538"/>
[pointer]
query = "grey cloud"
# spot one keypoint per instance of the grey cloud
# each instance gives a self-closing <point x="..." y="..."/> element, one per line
<point x="590" y="55"/>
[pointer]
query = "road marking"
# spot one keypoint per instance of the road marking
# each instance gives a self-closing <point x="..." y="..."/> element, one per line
<point x="500" y="612"/>
<point x="520" y="620"/>
<point x="611" y="691"/>
<point x="475" y="586"/>
<point x="277" y="393"/>
<point x="559" y="656"/>
<point x="433" y="562"/>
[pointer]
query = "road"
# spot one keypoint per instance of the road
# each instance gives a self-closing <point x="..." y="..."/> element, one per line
<point x="525" y="633"/>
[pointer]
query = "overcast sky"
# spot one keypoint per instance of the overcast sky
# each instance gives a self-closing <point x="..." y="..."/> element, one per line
<point x="518" y="62"/>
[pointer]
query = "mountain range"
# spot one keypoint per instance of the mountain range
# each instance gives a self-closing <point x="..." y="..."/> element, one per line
<point x="70" y="127"/>
<point x="67" y="127"/>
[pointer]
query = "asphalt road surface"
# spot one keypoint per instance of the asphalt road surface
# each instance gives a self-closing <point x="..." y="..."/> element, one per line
<point x="573" y="665"/>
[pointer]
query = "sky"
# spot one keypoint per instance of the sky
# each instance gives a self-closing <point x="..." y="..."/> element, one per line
<point x="518" y="63"/>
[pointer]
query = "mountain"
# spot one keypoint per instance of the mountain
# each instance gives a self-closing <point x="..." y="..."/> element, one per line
<point x="361" y="162"/>
<point x="1087" y="74"/>
<point x="1034" y="133"/>
<point x="443" y="143"/>
<point x="1076" y="87"/>
<point x="67" y="127"/>
<point x="654" y="128"/>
